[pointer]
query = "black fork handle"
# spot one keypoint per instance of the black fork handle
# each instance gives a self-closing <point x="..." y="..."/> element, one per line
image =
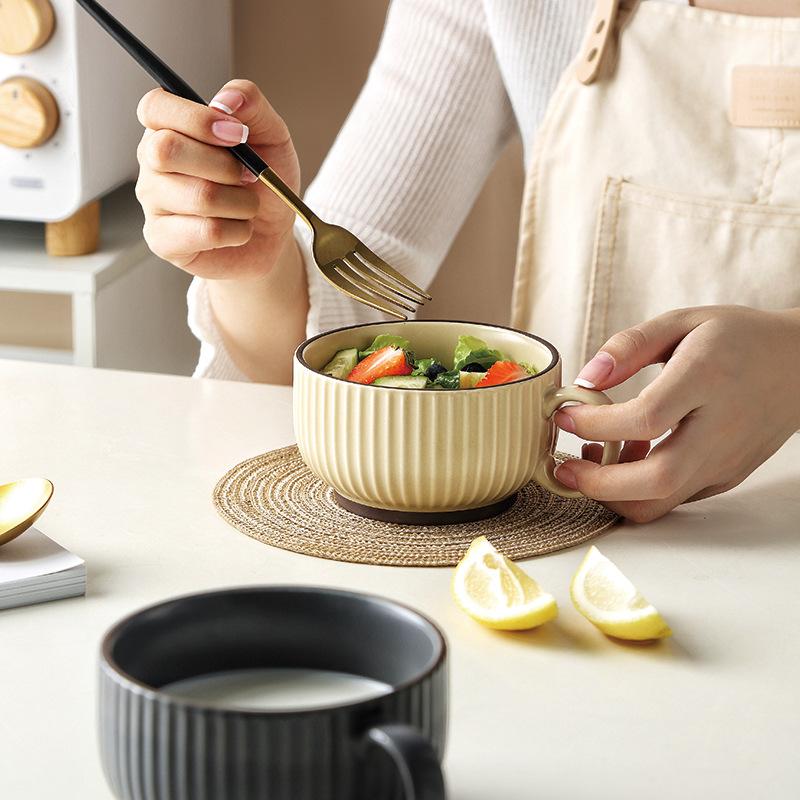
<point x="166" y="77"/>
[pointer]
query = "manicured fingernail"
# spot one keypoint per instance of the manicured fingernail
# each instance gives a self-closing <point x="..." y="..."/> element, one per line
<point x="230" y="132"/>
<point x="228" y="101"/>
<point x="247" y="176"/>
<point x="565" y="475"/>
<point x="596" y="371"/>
<point x="565" y="422"/>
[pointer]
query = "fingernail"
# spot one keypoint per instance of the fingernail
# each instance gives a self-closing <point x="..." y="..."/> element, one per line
<point x="596" y="371"/>
<point x="247" y="176"/>
<point x="565" y="422"/>
<point x="228" y="101"/>
<point x="230" y="132"/>
<point x="565" y="475"/>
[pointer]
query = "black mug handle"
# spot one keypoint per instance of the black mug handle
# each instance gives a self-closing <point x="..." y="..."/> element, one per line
<point x="415" y="759"/>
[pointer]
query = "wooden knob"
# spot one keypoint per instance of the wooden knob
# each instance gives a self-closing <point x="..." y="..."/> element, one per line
<point x="25" y="25"/>
<point x="28" y="113"/>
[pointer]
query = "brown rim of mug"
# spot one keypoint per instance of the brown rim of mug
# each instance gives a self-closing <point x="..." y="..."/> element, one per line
<point x="555" y="357"/>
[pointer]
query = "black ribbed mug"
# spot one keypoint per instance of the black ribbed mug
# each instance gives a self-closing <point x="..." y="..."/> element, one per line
<point x="159" y="746"/>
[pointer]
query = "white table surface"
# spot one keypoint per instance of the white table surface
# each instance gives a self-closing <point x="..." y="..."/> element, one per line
<point x="561" y="712"/>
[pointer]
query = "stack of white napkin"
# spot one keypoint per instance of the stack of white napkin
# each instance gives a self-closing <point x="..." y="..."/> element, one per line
<point x="34" y="569"/>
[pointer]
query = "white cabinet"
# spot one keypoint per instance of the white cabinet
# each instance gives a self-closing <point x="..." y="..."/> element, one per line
<point x="128" y="308"/>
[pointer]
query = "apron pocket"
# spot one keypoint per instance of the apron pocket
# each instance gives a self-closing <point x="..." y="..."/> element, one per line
<point x="657" y="250"/>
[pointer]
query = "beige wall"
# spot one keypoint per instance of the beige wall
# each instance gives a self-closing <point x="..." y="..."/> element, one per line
<point x="289" y="47"/>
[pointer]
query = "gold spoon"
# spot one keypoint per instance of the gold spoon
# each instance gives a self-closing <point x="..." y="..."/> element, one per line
<point x="21" y="504"/>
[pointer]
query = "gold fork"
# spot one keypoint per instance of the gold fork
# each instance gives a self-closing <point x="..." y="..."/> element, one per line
<point x="347" y="263"/>
<point x="341" y="257"/>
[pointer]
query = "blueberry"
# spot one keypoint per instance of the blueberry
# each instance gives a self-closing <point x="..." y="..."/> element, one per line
<point x="434" y="370"/>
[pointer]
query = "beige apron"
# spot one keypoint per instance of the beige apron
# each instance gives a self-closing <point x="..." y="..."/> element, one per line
<point x="670" y="179"/>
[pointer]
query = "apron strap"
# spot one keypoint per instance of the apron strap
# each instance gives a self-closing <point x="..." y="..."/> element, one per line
<point x="752" y="8"/>
<point x="597" y="41"/>
<point x="600" y="37"/>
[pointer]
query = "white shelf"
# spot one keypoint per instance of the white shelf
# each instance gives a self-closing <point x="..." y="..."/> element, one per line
<point x="46" y="355"/>
<point x="26" y="267"/>
<point x="128" y="307"/>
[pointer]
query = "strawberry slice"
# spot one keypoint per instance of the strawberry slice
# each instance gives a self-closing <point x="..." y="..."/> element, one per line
<point x="502" y="372"/>
<point x="381" y="364"/>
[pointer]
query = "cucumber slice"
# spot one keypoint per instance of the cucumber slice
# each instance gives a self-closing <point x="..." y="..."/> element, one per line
<point x="342" y="364"/>
<point x="469" y="380"/>
<point x="403" y="381"/>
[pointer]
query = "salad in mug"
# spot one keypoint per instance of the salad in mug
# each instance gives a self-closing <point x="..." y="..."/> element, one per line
<point x="390" y="361"/>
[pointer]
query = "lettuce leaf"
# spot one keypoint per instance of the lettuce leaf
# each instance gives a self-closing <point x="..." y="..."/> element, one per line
<point x="423" y="365"/>
<point x="465" y="345"/>
<point x="471" y="350"/>
<point x="385" y="340"/>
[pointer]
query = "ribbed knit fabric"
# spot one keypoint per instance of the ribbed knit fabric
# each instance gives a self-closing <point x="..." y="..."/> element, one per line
<point x="451" y="82"/>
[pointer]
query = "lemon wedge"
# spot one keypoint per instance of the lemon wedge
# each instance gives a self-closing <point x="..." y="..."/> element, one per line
<point x="610" y="601"/>
<point x="493" y="590"/>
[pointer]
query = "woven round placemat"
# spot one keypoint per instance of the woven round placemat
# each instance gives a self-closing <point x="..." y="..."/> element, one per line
<point x="276" y="499"/>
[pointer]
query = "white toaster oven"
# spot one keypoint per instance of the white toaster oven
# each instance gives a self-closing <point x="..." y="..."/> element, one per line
<point x="68" y="94"/>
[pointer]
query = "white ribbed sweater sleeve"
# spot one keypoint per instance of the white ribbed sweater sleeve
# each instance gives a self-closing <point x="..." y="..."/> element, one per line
<point x="214" y="361"/>
<point x="417" y="147"/>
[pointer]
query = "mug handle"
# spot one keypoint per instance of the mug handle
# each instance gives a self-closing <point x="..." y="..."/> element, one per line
<point x="553" y="400"/>
<point x="415" y="759"/>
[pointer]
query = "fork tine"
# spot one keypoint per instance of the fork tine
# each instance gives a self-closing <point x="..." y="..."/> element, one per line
<point x="378" y="263"/>
<point x="344" y="285"/>
<point x="358" y="263"/>
<point x="345" y="269"/>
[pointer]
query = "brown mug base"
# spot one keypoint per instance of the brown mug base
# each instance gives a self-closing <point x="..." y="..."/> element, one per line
<point x="425" y="517"/>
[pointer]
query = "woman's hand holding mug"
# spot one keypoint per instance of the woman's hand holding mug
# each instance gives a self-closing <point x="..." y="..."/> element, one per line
<point x="729" y="395"/>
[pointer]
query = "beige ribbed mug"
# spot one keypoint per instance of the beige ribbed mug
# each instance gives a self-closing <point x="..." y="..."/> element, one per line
<point x="432" y="451"/>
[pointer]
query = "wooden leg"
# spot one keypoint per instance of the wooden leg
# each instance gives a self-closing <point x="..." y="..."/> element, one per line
<point x="77" y="235"/>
